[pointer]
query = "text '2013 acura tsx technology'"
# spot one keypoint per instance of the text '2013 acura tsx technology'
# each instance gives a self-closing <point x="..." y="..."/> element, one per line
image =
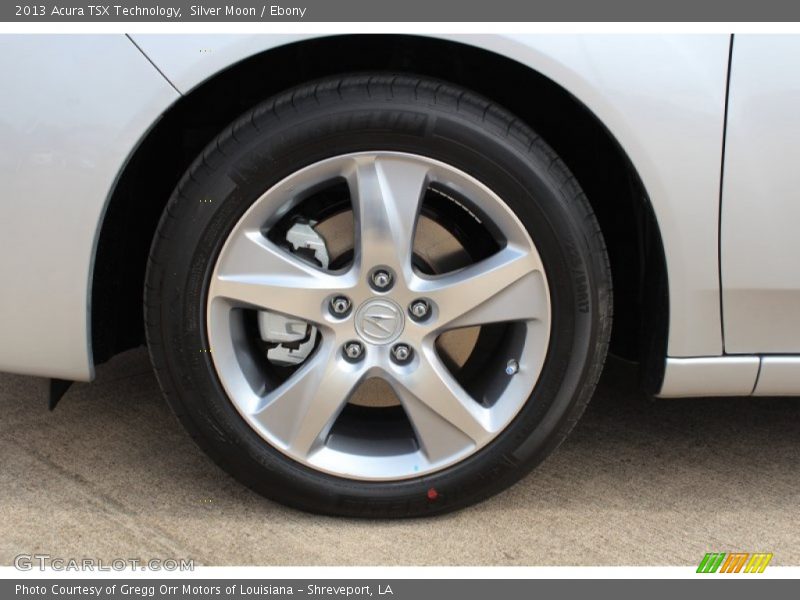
<point x="379" y="275"/>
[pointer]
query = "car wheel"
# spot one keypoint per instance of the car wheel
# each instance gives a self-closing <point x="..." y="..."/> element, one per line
<point x="378" y="295"/>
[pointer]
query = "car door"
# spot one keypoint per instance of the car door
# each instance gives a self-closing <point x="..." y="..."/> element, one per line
<point x="759" y="236"/>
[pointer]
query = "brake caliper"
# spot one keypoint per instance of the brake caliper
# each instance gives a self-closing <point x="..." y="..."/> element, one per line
<point x="293" y="338"/>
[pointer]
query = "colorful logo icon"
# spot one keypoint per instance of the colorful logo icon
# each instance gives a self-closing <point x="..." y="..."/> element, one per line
<point x="734" y="562"/>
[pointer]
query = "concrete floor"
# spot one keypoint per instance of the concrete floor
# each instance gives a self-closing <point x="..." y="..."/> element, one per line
<point x="639" y="482"/>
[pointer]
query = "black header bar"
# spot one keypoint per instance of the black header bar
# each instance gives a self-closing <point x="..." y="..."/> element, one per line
<point x="402" y="11"/>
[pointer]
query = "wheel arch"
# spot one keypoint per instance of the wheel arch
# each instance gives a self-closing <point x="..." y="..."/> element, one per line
<point x="591" y="151"/>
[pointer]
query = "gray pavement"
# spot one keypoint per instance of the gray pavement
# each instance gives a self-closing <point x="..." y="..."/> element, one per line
<point x="639" y="482"/>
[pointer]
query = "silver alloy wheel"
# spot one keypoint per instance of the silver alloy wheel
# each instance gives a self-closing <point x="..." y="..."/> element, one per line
<point x="296" y="416"/>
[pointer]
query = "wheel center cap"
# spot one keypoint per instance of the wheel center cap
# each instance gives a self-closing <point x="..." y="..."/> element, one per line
<point x="379" y="321"/>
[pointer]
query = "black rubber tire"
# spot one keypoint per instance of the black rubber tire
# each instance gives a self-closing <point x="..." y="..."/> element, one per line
<point x="367" y="113"/>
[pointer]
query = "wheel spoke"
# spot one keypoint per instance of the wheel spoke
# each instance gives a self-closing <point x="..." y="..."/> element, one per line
<point x="258" y="273"/>
<point x="387" y="193"/>
<point x="507" y="286"/>
<point x="302" y="411"/>
<point x="445" y="417"/>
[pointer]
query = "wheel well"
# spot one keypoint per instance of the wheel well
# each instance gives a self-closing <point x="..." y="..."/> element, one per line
<point x="586" y="146"/>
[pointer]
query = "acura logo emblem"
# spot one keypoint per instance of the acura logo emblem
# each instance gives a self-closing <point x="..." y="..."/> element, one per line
<point x="379" y="321"/>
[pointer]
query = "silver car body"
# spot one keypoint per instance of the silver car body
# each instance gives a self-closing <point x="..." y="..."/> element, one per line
<point x="80" y="105"/>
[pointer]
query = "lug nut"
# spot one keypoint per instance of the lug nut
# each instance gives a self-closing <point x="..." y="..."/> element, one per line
<point x="512" y="367"/>
<point x="340" y="306"/>
<point x="419" y="310"/>
<point x="401" y="353"/>
<point x="353" y="351"/>
<point x="381" y="279"/>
